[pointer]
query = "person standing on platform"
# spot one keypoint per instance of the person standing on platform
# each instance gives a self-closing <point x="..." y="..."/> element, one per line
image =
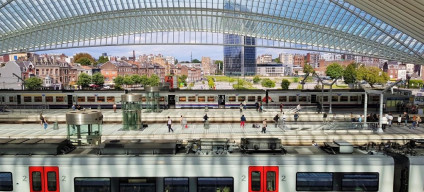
<point x="324" y="117"/>
<point x="242" y="121"/>
<point x="406" y="116"/>
<point x="264" y="126"/>
<point x="384" y="122"/>
<point x="114" y="107"/>
<point x="360" y="121"/>
<point x="296" y="116"/>
<point x="276" y="118"/>
<point x="205" y="119"/>
<point x="281" y="107"/>
<point x="389" y="119"/>
<point x="43" y="121"/>
<point x="244" y="105"/>
<point x="399" y="119"/>
<point x="170" y="125"/>
<point x="241" y="107"/>
<point x="418" y="120"/>
<point x="414" y="121"/>
<point x="257" y="106"/>
<point x="73" y="107"/>
<point x="182" y="121"/>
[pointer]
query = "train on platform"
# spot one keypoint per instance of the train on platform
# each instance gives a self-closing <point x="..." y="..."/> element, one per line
<point x="202" y="98"/>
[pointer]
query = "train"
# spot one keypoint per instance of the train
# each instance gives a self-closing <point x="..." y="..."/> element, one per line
<point x="300" y="168"/>
<point x="202" y="98"/>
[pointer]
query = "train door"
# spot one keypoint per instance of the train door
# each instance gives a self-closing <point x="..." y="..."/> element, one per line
<point x="44" y="179"/>
<point x="171" y="101"/>
<point x="221" y="101"/>
<point x="18" y="99"/>
<point x="70" y="101"/>
<point x="263" y="179"/>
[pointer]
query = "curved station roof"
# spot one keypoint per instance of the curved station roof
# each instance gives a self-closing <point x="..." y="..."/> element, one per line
<point x="380" y="28"/>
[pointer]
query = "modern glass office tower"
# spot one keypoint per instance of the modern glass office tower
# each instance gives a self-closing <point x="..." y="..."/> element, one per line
<point x="239" y="60"/>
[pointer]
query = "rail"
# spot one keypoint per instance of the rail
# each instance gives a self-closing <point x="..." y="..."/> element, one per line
<point x="23" y="108"/>
<point x="289" y="109"/>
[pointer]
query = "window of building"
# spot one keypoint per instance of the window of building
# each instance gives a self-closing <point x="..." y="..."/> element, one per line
<point x="38" y="99"/>
<point x="49" y="98"/>
<point x="92" y="184"/>
<point x="6" y="182"/>
<point x="100" y="99"/>
<point x="201" y="99"/>
<point x="91" y="99"/>
<point x="60" y="98"/>
<point x="282" y="99"/>
<point x="175" y="184"/>
<point x="81" y="99"/>
<point x="325" y="98"/>
<point x="259" y="98"/>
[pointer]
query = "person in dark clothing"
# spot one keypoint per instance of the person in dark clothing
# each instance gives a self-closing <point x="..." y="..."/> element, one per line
<point x="170" y="125"/>
<point x="276" y="118"/>
<point x="242" y="121"/>
<point x="281" y="107"/>
<point x="296" y="116"/>
<point x="257" y="106"/>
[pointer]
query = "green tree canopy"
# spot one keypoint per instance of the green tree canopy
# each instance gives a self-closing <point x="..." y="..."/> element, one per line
<point x="119" y="81"/>
<point x="268" y="83"/>
<point x="98" y="79"/>
<point x="79" y="56"/>
<point x="256" y="79"/>
<point x="350" y="73"/>
<point x="277" y="60"/>
<point x="84" y="80"/>
<point x="308" y="69"/>
<point x="154" y="80"/>
<point x="372" y="75"/>
<point x="33" y="83"/>
<point x="182" y="79"/>
<point x="103" y="59"/>
<point x="334" y="71"/>
<point x="285" y="84"/>
<point x="144" y="80"/>
<point x="136" y="79"/>
<point x="211" y="82"/>
<point x="84" y="61"/>
<point x="196" y="61"/>
<point x="128" y="80"/>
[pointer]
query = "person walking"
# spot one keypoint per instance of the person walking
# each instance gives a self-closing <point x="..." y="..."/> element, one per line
<point x="281" y="107"/>
<point x="276" y="118"/>
<point x="390" y="119"/>
<point x="182" y="121"/>
<point x="170" y="125"/>
<point x="43" y="121"/>
<point x="296" y="116"/>
<point x="406" y="116"/>
<point x="241" y="107"/>
<point x="351" y="117"/>
<point x="264" y="126"/>
<point x="418" y="120"/>
<point x="360" y="121"/>
<point x="414" y="121"/>
<point x="114" y="107"/>
<point x="257" y="106"/>
<point x="242" y="121"/>
<point x="324" y="117"/>
<point x="399" y="120"/>
<point x="73" y="107"/>
<point x="384" y="122"/>
<point x="205" y="120"/>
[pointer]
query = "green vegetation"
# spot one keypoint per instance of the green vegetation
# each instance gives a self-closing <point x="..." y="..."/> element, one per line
<point x="128" y="80"/>
<point x="334" y="71"/>
<point x="196" y="61"/>
<point x="153" y="80"/>
<point x="219" y="66"/>
<point x="277" y="60"/>
<point x="98" y="79"/>
<point x="350" y="73"/>
<point x="415" y="84"/>
<point x="285" y="84"/>
<point x="308" y="69"/>
<point x="296" y="80"/>
<point x="268" y="83"/>
<point x="103" y="59"/>
<point x="299" y="87"/>
<point x="372" y="75"/>
<point x="256" y="79"/>
<point x="84" y="59"/>
<point x="84" y="80"/>
<point x="211" y="82"/>
<point x="242" y="84"/>
<point x="223" y="78"/>
<point x="182" y="80"/>
<point x="33" y="83"/>
<point x="119" y="81"/>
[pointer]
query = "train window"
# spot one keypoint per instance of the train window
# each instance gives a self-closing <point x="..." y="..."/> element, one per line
<point x="175" y="184"/>
<point x="36" y="181"/>
<point x="92" y="184"/>
<point x="182" y="99"/>
<point x="302" y="98"/>
<point x="162" y="99"/>
<point x="49" y="98"/>
<point x="375" y="98"/>
<point x="38" y="99"/>
<point x="325" y="98"/>
<point x="292" y="98"/>
<point x="27" y="99"/>
<point x="314" y="181"/>
<point x="343" y="98"/>
<point x="6" y="183"/>
<point x="241" y="98"/>
<point x="282" y="99"/>
<point x="211" y="98"/>
<point x="335" y="98"/>
<point x="143" y="99"/>
<point x="251" y="98"/>
<point x="215" y="184"/>
<point x="91" y="99"/>
<point x="201" y="99"/>
<point x="11" y="99"/>
<point x="51" y="181"/>
<point x="354" y="98"/>
<point x="259" y="98"/>
<point x="232" y="98"/>
<point x="111" y="99"/>
<point x="360" y="182"/>
<point x="256" y="181"/>
<point x="81" y="99"/>
<point x="270" y="181"/>
<point x="60" y="98"/>
<point x="137" y="184"/>
<point x="191" y="98"/>
<point x="100" y="99"/>
<point x="2" y="98"/>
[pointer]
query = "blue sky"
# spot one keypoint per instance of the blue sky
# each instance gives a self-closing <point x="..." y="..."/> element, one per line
<point x="182" y="53"/>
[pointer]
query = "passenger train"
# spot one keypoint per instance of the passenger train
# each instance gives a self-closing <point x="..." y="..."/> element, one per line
<point x="302" y="169"/>
<point x="199" y="98"/>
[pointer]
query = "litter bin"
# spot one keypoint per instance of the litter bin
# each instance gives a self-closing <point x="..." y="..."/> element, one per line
<point x="55" y="126"/>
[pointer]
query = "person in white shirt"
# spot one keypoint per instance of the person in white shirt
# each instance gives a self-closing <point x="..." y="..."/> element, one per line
<point x="169" y="125"/>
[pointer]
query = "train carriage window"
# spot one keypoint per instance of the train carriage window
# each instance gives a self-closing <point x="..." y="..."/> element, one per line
<point x="60" y="98"/>
<point x="325" y="98"/>
<point x="211" y="99"/>
<point x="161" y="99"/>
<point x="11" y="99"/>
<point x="251" y="98"/>
<point x="51" y="181"/>
<point x="175" y="184"/>
<point x="241" y="98"/>
<point x="111" y="99"/>
<point x="232" y="98"/>
<point x="6" y="182"/>
<point x="27" y="99"/>
<point x="375" y="98"/>
<point x="343" y="98"/>
<point x="100" y="99"/>
<point x="137" y="184"/>
<point x="81" y="99"/>
<point x="292" y="98"/>
<point x="36" y="181"/>
<point x="191" y="98"/>
<point x="360" y="182"/>
<point x="256" y="181"/>
<point x="182" y="99"/>
<point x="303" y="99"/>
<point x="38" y="99"/>
<point x="143" y="99"/>
<point x="354" y="98"/>
<point x="92" y="184"/>
<point x="49" y="98"/>
<point x="91" y="99"/>
<point x="201" y="99"/>
<point x="335" y="98"/>
<point x="314" y="181"/>
<point x="222" y="184"/>
<point x="270" y="181"/>
<point x="282" y="99"/>
<point x="259" y="98"/>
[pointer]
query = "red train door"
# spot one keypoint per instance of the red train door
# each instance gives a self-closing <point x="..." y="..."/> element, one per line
<point x="263" y="179"/>
<point x="44" y="179"/>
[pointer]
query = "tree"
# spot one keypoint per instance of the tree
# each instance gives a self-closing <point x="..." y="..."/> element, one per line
<point x="119" y="81"/>
<point x="83" y="55"/>
<point x="211" y="83"/>
<point x="277" y="60"/>
<point x="350" y="73"/>
<point x="176" y="61"/>
<point x="154" y="80"/>
<point x="196" y="61"/>
<point x="334" y="71"/>
<point x="372" y="75"/>
<point x="219" y="66"/>
<point x="84" y="80"/>
<point x="268" y="83"/>
<point x="103" y="59"/>
<point x="256" y="79"/>
<point x="308" y="69"/>
<point x="128" y="80"/>
<point x="84" y="61"/>
<point x="285" y="84"/>
<point x="182" y="79"/>
<point x="98" y="79"/>
<point x="33" y="83"/>
<point x="144" y="80"/>
<point x="136" y="79"/>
